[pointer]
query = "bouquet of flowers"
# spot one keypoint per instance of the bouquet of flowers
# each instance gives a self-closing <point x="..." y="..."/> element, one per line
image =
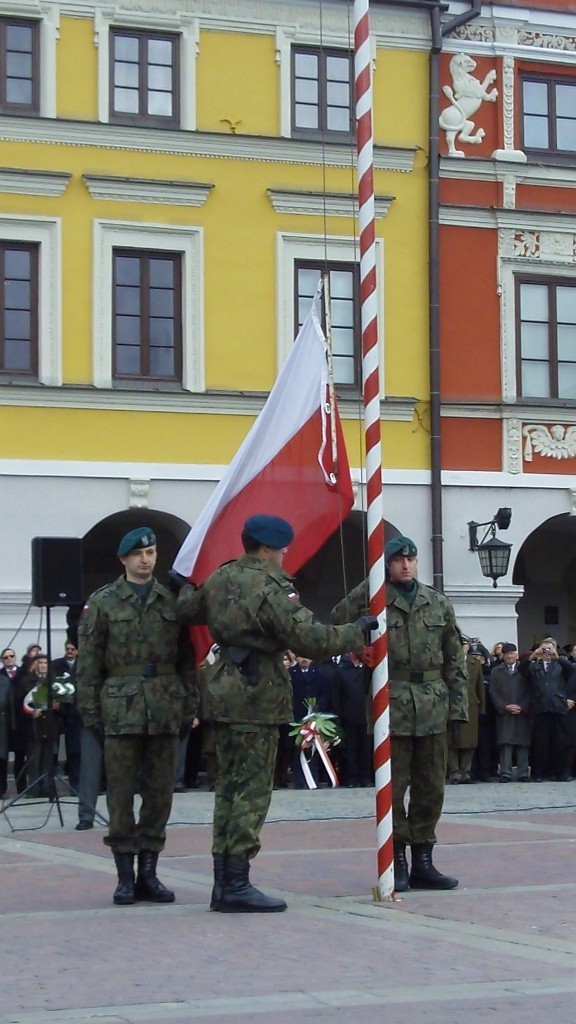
<point x="318" y="730"/>
<point x="63" y="690"/>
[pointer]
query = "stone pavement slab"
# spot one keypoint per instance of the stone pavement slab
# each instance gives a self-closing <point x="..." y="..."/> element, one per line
<point x="500" y="947"/>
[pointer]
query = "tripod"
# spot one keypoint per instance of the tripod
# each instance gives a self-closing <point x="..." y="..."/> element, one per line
<point x="49" y="776"/>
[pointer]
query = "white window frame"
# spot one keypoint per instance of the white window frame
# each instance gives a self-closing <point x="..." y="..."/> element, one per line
<point x="46" y="232"/>
<point x="285" y="39"/>
<point x="48" y="16"/>
<point x="183" y="25"/>
<point x="291" y="247"/>
<point x="509" y="271"/>
<point x="178" y="238"/>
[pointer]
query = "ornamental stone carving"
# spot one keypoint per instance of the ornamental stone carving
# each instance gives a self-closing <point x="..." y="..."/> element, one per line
<point x="466" y="96"/>
<point x="527" y="244"/>
<point x="547" y="42"/>
<point x="556" y="442"/>
<point x="139" y="493"/>
<point x="514" y="446"/>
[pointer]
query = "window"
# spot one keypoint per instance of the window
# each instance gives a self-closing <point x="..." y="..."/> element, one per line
<point x="19" y="66"/>
<point x="144" y="77"/>
<point x="549" y="114"/>
<point x="546" y="338"/>
<point x="19" y="309"/>
<point x="321" y="92"/>
<point x="147" y="323"/>
<point x="344" y="314"/>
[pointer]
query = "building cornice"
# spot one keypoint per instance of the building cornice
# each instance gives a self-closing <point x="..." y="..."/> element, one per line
<point x="518" y="220"/>
<point x="264" y="149"/>
<point x="548" y="175"/>
<point x="331" y="204"/>
<point x="147" y="190"/>
<point x="470" y="410"/>
<point x="33" y="183"/>
<point x="210" y="403"/>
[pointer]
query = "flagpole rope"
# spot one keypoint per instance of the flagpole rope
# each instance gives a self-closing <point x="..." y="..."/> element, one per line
<point x="371" y="388"/>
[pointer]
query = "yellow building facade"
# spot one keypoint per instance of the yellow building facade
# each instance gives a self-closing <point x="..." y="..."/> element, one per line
<point x="173" y="176"/>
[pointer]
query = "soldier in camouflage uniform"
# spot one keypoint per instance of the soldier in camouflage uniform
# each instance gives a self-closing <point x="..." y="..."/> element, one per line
<point x="136" y="686"/>
<point x="253" y="612"/>
<point x="428" y="690"/>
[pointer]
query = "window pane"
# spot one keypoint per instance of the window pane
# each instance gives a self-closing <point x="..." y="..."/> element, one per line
<point x="127" y="270"/>
<point x="19" y="65"/>
<point x="306" y="117"/>
<point x="566" y="134"/>
<point x="161" y="362"/>
<point x="342" y="312"/>
<point x="126" y="75"/>
<point x="567" y="341"/>
<point x="306" y="65"/>
<point x="160" y="104"/>
<point x="341" y="284"/>
<point x="534" y="341"/>
<point x="126" y="101"/>
<point x="127" y="330"/>
<point x="534" y="302"/>
<point x="308" y="281"/>
<point x="566" y="100"/>
<point x="566" y="304"/>
<point x="160" y="51"/>
<point x="535" y="380"/>
<point x="160" y="78"/>
<point x="17" y="264"/>
<point x="567" y="380"/>
<point x="338" y="69"/>
<point x="126" y="48"/>
<point x="18" y="90"/>
<point x="162" y="273"/>
<point x="17" y="355"/>
<point x="127" y="300"/>
<point x="306" y="91"/>
<point x="338" y="120"/>
<point x="161" y="332"/>
<point x="161" y="302"/>
<point x="128" y="359"/>
<point x="536" y="133"/>
<point x="343" y="370"/>
<point x="342" y="341"/>
<point x="535" y="98"/>
<point x="17" y="295"/>
<point x="338" y="95"/>
<point x="17" y="325"/>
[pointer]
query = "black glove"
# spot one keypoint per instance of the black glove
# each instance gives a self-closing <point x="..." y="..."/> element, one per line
<point x="176" y="581"/>
<point x="98" y="732"/>
<point x="367" y="623"/>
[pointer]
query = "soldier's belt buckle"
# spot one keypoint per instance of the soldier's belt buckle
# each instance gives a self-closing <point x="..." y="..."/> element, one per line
<point x="416" y="677"/>
<point x="149" y="670"/>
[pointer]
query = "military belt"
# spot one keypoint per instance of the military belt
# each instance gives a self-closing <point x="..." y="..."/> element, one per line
<point x="415" y="677"/>
<point x="149" y="670"/>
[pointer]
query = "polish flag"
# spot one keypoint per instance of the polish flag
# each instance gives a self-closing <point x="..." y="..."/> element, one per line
<point x="292" y="464"/>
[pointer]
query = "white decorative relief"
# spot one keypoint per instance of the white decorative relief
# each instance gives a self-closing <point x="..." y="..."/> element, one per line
<point x="476" y="33"/>
<point x="547" y="42"/>
<point x="526" y="244"/>
<point x="513" y="452"/>
<point x="466" y="97"/>
<point x="572" y="493"/>
<point x="139" y="493"/>
<point x="556" y="442"/>
<point x="508" y="191"/>
<point x="550" y="247"/>
<point x="508" y="153"/>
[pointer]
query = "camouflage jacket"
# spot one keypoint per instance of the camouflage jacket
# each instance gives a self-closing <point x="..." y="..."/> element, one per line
<point x="423" y="641"/>
<point x="117" y="638"/>
<point x="252" y="604"/>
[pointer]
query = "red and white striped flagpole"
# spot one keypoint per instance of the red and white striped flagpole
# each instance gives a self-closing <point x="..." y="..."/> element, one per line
<point x="371" y="385"/>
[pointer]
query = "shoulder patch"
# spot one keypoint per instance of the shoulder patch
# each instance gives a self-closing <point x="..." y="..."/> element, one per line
<point x="293" y="596"/>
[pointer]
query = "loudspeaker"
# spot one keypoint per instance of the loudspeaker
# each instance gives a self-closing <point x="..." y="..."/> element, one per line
<point x="57" y="571"/>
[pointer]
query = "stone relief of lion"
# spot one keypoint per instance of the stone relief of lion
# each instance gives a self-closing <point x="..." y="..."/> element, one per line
<point x="466" y="96"/>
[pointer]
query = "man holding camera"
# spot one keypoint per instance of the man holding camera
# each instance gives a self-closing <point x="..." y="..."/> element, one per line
<point x="547" y="675"/>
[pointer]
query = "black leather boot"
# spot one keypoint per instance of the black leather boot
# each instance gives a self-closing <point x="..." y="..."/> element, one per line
<point x="219" y="876"/>
<point x="239" y="895"/>
<point x="423" y="874"/>
<point x="148" y="887"/>
<point x="401" y="883"/>
<point x="124" y="894"/>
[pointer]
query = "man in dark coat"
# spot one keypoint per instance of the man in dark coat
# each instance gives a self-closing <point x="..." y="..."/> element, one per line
<point x="428" y="692"/>
<point x="253" y="612"/>
<point x="510" y="694"/>
<point x="349" y="692"/>
<point x="136" y="683"/>
<point x="547" y="675"/>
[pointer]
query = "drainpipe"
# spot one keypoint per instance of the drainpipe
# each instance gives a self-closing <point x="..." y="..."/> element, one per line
<point x="438" y="31"/>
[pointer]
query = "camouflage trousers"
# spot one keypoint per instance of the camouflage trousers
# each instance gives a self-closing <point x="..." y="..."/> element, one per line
<point x="144" y="764"/>
<point x="246" y="757"/>
<point x="418" y="763"/>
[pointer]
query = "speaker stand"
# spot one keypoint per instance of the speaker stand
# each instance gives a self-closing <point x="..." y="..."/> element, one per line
<point x="50" y="776"/>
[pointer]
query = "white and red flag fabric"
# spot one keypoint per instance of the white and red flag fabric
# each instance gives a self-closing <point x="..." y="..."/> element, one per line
<point x="292" y="464"/>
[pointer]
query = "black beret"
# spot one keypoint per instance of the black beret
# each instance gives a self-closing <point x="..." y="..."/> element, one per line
<point x="271" y="531"/>
<point x="143" y="537"/>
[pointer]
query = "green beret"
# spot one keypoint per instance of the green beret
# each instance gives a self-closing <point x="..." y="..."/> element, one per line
<point x="399" y="546"/>
<point x="269" y="530"/>
<point x="143" y="537"/>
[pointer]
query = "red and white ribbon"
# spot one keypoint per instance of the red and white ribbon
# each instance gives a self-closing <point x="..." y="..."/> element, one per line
<point x="311" y="738"/>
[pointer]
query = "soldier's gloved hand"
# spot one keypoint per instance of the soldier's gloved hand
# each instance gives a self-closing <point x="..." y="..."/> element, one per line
<point x="176" y="581"/>
<point x="367" y="623"/>
<point x="98" y="732"/>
